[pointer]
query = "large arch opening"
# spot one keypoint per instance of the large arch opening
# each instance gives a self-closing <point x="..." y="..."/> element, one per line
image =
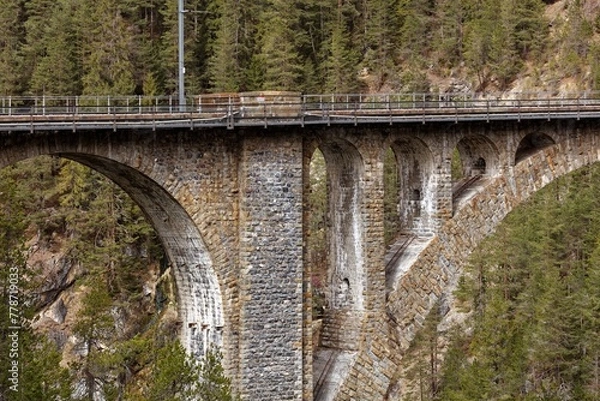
<point x="102" y="276"/>
<point x="198" y="290"/>
<point x="200" y="310"/>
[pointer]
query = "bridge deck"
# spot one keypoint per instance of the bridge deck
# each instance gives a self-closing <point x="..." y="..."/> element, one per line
<point x="78" y="113"/>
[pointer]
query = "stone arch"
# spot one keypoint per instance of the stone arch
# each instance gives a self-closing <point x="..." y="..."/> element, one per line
<point x="479" y="156"/>
<point x="416" y="187"/>
<point x="476" y="220"/>
<point x="198" y="290"/>
<point x="346" y="276"/>
<point x="335" y="348"/>
<point x="532" y="143"/>
<point x="199" y="295"/>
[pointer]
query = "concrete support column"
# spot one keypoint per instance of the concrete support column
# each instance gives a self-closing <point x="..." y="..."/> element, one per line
<point x="271" y="263"/>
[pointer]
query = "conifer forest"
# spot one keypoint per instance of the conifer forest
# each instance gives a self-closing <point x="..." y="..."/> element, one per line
<point x="71" y="47"/>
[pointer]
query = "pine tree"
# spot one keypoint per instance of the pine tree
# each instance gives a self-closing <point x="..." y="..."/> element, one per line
<point x="448" y="36"/>
<point x="214" y="385"/>
<point x="169" y="47"/>
<point x="173" y="376"/>
<point x="340" y="65"/>
<point x="54" y="55"/>
<point x="108" y="44"/>
<point x="278" y="57"/>
<point x="94" y="323"/>
<point x="225" y="63"/>
<point x="11" y="42"/>
<point x="381" y="39"/>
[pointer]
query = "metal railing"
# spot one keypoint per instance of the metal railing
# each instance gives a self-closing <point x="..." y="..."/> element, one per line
<point x="229" y="110"/>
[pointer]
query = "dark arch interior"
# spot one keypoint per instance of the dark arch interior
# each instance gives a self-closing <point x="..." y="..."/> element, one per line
<point x="478" y="156"/>
<point x="531" y="144"/>
<point x="479" y="166"/>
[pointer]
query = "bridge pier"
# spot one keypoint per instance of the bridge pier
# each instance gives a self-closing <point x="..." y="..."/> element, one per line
<point x="271" y="267"/>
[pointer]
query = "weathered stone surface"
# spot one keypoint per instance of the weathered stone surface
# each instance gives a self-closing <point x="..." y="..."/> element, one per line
<point x="271" y="262"/>
<point x="229" y="207"/>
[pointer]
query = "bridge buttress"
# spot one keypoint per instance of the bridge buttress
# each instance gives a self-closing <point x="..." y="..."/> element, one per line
<point x="271" y="267"/>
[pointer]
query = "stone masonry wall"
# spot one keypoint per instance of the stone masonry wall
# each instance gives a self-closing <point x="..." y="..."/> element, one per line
<point x="187" y="184"/>
<point x="271" y="262"/>
<point x="438" y="268"/>
<point x="229" y="208"/>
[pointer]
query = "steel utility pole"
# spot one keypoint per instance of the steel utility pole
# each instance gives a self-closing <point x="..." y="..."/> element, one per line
<point x="181" y="57"/>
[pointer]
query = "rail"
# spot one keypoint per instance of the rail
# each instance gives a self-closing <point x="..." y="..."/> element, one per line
<point x="461" y="186"/>
<point x="19" y="113"/>
<point x="318" y="386"/>
<point x="397" y="249"/>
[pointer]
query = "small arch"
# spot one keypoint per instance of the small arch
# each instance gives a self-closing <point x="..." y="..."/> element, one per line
<point x="474" y="157"/>
<point x="478" y="156"/>
<point x="415" y="186"/>
<point x="479" y="167"/>
<point x="531" y="144"/>
<point x="336" y="227"/>
<point x="344" y="167"/>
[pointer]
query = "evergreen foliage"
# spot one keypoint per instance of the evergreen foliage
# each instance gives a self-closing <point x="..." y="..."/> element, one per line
<point x="536" y="315"/>
<point x="110" y="47"/>
<point x="105" y="237"/>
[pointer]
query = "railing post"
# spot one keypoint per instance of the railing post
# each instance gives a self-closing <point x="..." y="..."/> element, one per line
<point x="10" y="105"/>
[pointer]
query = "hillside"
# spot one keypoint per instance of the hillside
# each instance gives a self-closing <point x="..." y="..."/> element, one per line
<point x="70" y="47"/>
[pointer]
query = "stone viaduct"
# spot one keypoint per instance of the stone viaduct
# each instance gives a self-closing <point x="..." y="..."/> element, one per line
<point x="230" y="206"/>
